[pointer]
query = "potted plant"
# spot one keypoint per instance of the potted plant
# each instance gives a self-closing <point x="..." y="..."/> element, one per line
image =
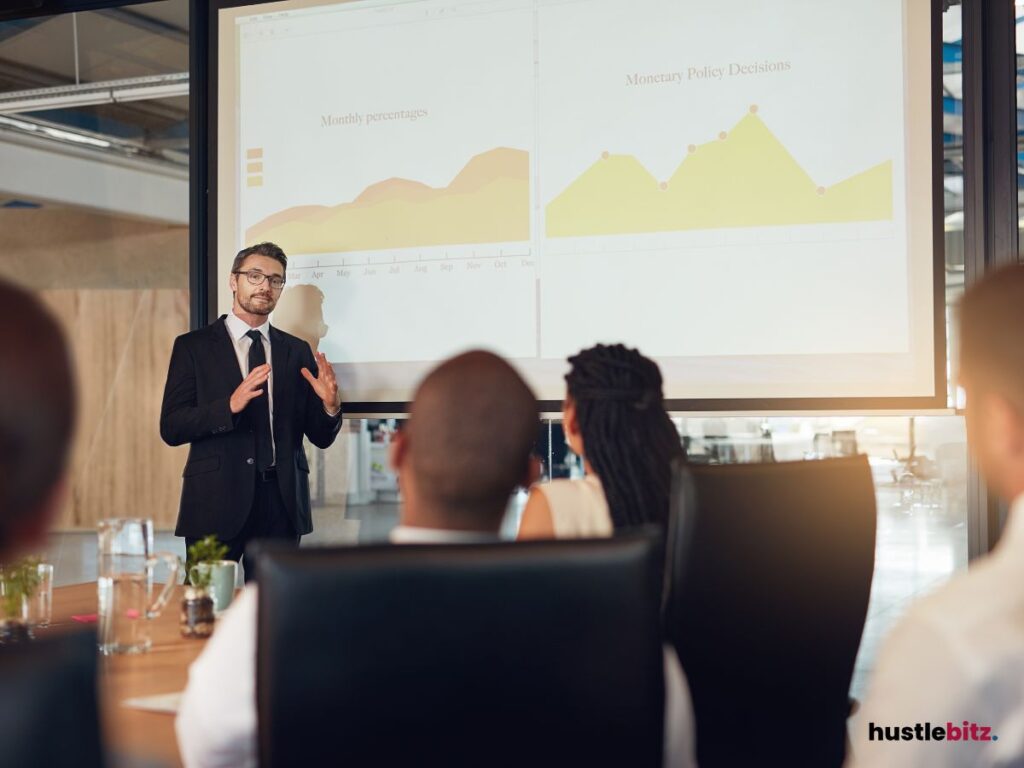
<point x="18" y="582"/>
<point x="197" y="615"/>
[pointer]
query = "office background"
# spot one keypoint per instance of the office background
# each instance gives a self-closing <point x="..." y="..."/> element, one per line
<point x="94" y="215"/>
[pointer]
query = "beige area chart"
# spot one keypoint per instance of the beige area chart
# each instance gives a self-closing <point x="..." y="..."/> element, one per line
<point x="488" y="201"/>
<point x="743" y="178"/>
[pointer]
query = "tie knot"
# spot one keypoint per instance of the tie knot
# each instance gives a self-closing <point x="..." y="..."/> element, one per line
<point x="254" y="335"/>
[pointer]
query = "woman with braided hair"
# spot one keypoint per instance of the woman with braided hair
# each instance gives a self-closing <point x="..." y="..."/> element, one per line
<point x="615" y="419"/>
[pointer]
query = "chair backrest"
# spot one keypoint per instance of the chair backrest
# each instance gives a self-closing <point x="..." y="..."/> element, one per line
<point x="498" y="654"/>
<point x="769" y="576"/>
<point x="49" y="715"/>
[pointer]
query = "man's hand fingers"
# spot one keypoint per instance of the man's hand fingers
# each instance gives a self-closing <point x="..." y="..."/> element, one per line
<point x="258" y="381"/>
<point x="259" y="370"/>
<point x="308" y="376"/>
<point x="326" y="369"/>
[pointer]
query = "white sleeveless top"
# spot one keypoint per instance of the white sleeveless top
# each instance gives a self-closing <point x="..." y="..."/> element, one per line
<point x="579" y="509"/>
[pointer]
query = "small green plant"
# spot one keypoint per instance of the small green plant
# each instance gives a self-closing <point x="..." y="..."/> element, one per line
<point x="206" y="550"/>
<point x="18" y="582"/>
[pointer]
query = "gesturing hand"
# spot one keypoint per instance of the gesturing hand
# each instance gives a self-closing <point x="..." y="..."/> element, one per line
<point x="324" y="384"/>
<point x="249" y="388"/>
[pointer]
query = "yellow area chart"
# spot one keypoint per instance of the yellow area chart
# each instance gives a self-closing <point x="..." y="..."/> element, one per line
<point x="488" y="201"/>
<point x="745" y="178"/>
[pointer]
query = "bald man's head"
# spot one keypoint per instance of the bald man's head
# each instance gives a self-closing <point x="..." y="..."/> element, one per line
<point x="37" y="413"/>
<point x="471" y="429"/>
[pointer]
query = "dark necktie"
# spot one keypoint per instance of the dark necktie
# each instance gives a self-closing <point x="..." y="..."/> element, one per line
<point x="260" y="406"/>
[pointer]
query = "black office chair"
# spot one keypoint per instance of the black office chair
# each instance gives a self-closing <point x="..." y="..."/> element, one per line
<point x="49" y="715"/>
<point x="545" y="653"/>
<point x="769" y="576"/>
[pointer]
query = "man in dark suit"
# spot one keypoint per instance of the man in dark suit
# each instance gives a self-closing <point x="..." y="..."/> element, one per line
<point x="235" y="392"/>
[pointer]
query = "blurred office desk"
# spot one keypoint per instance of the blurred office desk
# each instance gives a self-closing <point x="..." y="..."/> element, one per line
<point x="139" y="737"/>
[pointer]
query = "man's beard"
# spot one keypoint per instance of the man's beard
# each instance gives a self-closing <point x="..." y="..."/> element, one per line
<point x="253" y="307"/>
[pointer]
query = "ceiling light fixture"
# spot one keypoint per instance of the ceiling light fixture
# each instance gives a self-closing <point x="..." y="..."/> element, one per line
<point x="93" y="94"/>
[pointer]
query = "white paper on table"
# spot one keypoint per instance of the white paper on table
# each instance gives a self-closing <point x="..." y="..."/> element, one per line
<point x="167" y="703"/>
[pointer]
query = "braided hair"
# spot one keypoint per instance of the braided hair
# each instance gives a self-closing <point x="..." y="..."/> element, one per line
<point x="628" y="437"/>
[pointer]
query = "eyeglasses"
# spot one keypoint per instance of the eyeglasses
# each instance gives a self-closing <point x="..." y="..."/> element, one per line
<point x="255" y="277"/>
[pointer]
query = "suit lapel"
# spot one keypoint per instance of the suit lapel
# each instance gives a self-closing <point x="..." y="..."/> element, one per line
<point x="224" y="354"/>
<point x="279" y="370"/>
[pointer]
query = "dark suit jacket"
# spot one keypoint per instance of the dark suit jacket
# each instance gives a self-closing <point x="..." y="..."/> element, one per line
<point x="220" y="475"/>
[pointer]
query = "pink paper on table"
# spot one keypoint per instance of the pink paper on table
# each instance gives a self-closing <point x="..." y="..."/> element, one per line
<point x="85" y="618"/>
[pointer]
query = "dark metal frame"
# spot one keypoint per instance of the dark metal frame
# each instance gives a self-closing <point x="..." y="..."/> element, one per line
<point x="990" y="189"/>
<point x="203" y="213"/>
<point x="27" y="9"/>
<point x="201" y="269"/>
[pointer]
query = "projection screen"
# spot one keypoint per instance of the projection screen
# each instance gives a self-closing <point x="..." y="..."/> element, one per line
<point x="745" y="191"/>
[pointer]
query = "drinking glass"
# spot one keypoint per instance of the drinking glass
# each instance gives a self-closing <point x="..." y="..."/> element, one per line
<point x="40" y="605"/>
<point x="125" y="584"/>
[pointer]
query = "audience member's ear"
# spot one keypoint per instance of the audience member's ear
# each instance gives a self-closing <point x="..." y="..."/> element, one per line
<point x="398" y="450"/>
<point x="1004" y="429"/>
<point x="570" y="423"/>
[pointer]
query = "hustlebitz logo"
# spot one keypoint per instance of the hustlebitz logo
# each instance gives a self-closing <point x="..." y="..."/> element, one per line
<point x="967" y="731"/>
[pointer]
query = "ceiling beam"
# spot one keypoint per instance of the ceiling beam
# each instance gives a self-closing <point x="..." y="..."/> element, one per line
<point x="24" y="77"/>
<point x="92" y="179"/>
<point x="25" y="9"/>
<point x="146" y="24"/>
<point x="11" y="29"/>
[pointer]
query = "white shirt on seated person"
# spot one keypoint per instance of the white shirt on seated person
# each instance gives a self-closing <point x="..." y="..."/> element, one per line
<point x="216" y="723"/>
<point x="957" y="655"/>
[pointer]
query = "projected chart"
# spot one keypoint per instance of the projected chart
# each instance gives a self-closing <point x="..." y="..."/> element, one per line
<point x="743" y="178"/>
<point x="401" y="192"/>
<point x="487" y="202"/>
<point x="711" y="195"/>
<point x="700" y="180"/>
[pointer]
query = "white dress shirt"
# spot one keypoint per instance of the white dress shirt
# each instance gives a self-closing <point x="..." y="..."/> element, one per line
<point x="216" y="722"/>
<point x="957" y="655"/>
<point x="237" y="329"/>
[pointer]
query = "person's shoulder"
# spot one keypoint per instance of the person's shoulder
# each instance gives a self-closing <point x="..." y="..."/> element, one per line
<point x="578" y="507"/>
<point x="955" y="651"/>
<point x="562" y="486"/>
<point x="588" y="487"/>
<point x="204" y="334"/>
<point x="974" y="602"/>
<point x="277" y="336"/>
<point x="974" y="623"/>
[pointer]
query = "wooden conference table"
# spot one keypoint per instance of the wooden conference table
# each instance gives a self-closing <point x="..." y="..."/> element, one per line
<point x="134" y="733"/>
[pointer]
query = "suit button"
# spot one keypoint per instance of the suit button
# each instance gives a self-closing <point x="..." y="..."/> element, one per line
<point x="248" y="461"/>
